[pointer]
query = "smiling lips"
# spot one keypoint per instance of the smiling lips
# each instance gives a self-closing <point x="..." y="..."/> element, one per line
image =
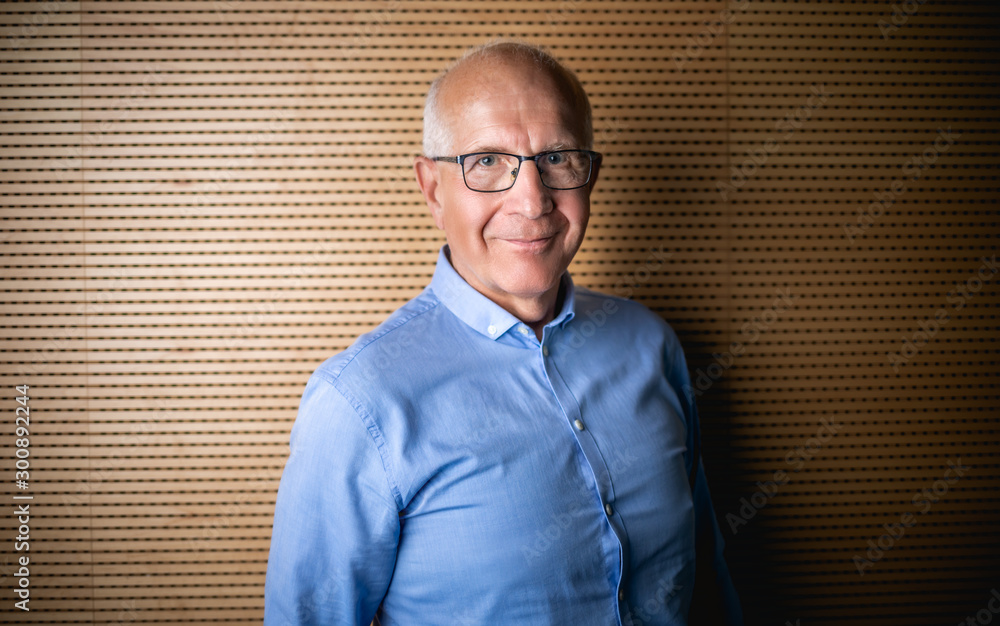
<point x="528" y="237"/>
<point x="529" y="243"/>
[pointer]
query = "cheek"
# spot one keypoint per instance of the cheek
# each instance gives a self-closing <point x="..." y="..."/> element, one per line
<point x="577" y="213"/>
<point x="469" y="217"/>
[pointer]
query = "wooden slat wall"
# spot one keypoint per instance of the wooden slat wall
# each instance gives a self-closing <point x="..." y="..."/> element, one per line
<point x="863" y="290"/>
<point x="203" y="200"/>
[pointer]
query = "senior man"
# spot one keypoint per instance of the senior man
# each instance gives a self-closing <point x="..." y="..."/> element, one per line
<point x="477" y="459"/>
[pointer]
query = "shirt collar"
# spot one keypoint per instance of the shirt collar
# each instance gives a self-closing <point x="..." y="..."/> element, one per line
<point x="476" y="310"/>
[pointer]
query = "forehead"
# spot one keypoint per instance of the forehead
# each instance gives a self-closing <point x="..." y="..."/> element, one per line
<point x="506" y="105"/>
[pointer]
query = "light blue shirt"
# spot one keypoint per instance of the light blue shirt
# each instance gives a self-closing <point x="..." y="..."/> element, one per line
<point x="453" y="469"/>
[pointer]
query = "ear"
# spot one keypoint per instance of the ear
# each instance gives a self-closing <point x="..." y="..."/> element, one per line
<point x="429" y="180"/>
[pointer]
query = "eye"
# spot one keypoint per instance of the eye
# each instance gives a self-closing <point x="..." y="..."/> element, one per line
<point x="487" y="160"/>
<point x="555" y="158"/>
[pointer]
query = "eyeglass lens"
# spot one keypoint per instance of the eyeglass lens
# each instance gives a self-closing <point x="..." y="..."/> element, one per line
<point x="491" y="171"/>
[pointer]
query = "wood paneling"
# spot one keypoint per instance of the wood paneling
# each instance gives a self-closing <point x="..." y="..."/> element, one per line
<point x="203" y="200"/>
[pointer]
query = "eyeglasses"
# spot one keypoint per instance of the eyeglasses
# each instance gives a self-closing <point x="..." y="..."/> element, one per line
<point x="490" y="172"/>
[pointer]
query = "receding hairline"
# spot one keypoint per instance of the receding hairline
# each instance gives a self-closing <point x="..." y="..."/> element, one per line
<point x="508" y="55"/>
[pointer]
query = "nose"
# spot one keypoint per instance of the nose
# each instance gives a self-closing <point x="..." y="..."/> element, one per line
<point x="529" y="196"/>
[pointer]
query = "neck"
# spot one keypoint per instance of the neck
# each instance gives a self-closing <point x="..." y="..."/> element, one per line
<point x="537" y="312"/>
<point x="534" y="311"/>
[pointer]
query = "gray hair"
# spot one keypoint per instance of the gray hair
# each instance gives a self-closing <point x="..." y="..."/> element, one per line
<point x="437" y="135"/>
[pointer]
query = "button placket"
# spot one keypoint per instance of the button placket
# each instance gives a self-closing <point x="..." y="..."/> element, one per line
<point x="592" y="455"/>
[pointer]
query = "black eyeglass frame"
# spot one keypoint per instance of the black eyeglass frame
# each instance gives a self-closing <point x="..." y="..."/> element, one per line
<point x="460" y="159"/>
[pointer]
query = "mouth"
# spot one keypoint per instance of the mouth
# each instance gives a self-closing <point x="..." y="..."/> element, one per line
<point x="530" y="244"/>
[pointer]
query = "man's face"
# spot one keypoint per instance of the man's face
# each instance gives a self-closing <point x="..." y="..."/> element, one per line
<point x="513" y="245"/>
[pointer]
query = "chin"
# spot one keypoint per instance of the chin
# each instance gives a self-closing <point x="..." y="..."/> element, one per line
<point x="530" y="281"/>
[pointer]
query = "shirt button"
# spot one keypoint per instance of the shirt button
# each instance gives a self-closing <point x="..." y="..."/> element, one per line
<point x="491" y="329"/>
<point x="578" y="424"/>
<point x="523" y="330"/>
<point x="608" y="509"/>
<point x="621" y="595"/>
<point x="545" y="351"/>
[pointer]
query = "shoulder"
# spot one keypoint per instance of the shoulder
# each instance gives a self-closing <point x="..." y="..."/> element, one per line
<point x="389" y="343"/>
<point x="595" y="311"/>
<point x="349" y="397"/>
<point x="387" y="368"/>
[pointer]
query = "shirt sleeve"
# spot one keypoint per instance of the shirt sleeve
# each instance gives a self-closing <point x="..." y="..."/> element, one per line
<point x="708" y="536"/>
<point x="336" y="522"/>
